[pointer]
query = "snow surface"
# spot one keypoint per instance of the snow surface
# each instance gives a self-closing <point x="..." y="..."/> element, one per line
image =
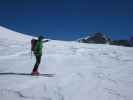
<point x="82" y="71"/>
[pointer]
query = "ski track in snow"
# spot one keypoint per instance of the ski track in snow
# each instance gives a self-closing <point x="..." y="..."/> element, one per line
<point x="82" y="72"/>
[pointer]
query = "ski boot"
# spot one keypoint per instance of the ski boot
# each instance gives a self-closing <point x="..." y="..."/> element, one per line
<point x="35" y="73"/>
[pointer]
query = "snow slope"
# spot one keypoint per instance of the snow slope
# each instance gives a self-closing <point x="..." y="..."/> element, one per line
<point x="11" y="35"/>
<point x="82" y="71"/>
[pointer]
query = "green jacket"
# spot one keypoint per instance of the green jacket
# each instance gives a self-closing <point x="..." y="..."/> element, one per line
<point x="38" y="48"/>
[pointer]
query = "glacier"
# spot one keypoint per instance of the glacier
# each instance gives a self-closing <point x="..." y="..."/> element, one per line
<point x="82" y="71"/>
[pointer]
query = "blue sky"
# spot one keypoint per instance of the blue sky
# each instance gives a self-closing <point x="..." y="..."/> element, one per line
<point x="68" y="19"/>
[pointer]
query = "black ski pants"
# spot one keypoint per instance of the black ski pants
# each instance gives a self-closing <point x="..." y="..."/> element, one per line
<point x="38" y="61"/>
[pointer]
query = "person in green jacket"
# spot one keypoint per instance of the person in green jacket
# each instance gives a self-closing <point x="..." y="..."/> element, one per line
<point x="38" y="54"/>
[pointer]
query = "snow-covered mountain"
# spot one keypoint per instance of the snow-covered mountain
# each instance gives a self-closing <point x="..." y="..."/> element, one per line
<point x="8" y="34"/>
<point x="82" y="71"/>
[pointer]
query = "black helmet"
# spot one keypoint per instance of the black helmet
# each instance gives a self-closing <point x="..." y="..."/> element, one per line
<point x="40" y="37"/>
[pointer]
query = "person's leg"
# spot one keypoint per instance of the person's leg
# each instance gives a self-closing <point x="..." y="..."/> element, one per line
<point x="38" y="60"/>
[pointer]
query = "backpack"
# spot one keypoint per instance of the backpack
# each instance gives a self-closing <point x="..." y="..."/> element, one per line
<point x="33" y="44"/>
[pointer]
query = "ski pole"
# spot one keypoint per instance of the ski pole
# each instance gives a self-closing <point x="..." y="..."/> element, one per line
<point x="31" y="54"/>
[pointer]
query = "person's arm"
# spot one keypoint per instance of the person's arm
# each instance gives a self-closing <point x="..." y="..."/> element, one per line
<point x="45" y="41"/>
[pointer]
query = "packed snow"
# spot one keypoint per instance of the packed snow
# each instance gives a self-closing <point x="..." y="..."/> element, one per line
<point x="81" y="71"/>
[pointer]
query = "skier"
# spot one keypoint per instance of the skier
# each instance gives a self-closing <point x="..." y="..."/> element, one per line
<point x="37" y="46"/>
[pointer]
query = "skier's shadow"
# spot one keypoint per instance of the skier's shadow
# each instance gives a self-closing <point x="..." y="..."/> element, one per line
<point x="25" y="74"/>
